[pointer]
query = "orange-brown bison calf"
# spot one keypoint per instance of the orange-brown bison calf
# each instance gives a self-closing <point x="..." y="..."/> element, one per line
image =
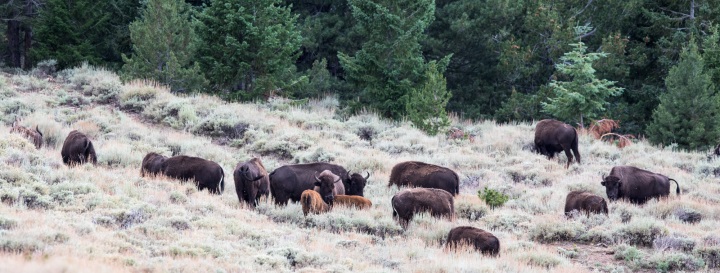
<point x="312" y="202"/>
<point x="352" y="201"/>
<point x="481" y="240"/>
<point x="585" y="202"/>
<point x="35" y="136"/>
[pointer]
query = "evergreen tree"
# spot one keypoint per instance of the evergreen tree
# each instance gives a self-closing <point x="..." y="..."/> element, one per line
<point x="583" y="96"/>
<point x="688" y="111"/>
<point x="163" y="50"/>
<point x="248" y="48"/>
<point x="390" y="63"/>
<point x="426" y="106"/>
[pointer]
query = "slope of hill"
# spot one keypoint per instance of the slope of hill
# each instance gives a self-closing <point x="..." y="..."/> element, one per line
<point x="107" y="218"/>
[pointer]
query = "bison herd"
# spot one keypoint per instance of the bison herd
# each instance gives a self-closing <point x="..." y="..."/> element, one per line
<point x="321" y="186"/>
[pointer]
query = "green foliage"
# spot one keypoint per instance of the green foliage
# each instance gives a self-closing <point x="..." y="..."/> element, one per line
<point x="97" y="83"/>
<point x="582" y="94"/>
<point x="248" y="48"/>
<point x="426" y="105"/>
<point x="163" y="46"/>
<point x="493" y="197"/>
<point x="390" y="64"/>
<point x="688" y="111"/>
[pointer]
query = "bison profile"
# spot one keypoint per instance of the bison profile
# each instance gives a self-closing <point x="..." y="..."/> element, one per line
<point x="289" y="181"/>
<point x="480" y="240"/>
<point x="312" y="202"/>
<point x="35" y="136"/>
<point x="251" y="181"/>
<point x="585" y="202"/>
<point x="552" y="137"/>
<point x="636" y="185"/>
<point x="424" y="175"/>
<point x="408" y="202"/>
<point x="204" y="173"/>
<point x="358" y="202"/>
<point x="77" y="149"/>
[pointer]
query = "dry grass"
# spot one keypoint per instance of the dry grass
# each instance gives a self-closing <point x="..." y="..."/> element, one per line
<point x="108" y="219"/>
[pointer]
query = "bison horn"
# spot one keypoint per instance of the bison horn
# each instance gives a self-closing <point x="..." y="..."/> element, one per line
<point x="347" y="174"/>
<point x="258" y="178"/>
<point x="316" y="177"/>
<point x="368" y="175"/>
<point x="338" y="180"/>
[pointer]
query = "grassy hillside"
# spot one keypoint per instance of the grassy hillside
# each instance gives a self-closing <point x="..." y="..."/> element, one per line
<point x="106" y="218"/>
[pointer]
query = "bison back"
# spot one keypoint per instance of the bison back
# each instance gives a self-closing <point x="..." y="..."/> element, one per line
<point x="408" y="202"/>
<point x="420" y="174"/>
<point x="640" y="185"/>
<point x="78" y="149"/>
<point x="480" y="240"/>
<point x="352" y="201"/>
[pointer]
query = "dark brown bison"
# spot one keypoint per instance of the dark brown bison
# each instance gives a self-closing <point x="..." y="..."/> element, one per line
<point x="585" y="202"/>
<point x="408" y="202"/>
<point x="289" y="181"/>
<point x="35" y="136"/>
<point x="312" y="202"/>
<point x="204" y="173"/>
<point x="481" y="240"/>
<point x="152" y="164"/>
<point x="251" y="181"/>
<point x="636" y="185"/>
<point x="424" y="175"/>
<point x="78" y="149"/>
<point x="352" y="201"/>
<point x="355" y="183"/>
<point x="552" y="137"/>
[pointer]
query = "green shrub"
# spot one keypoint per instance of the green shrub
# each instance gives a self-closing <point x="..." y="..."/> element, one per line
<point x="26" y="83"/>
<point x="7" y="223"/>
<point x="673" y="261"/>
<point x="540" y="259"/>
<point x="136" y="96"/>
<point x="101" y="85"/>
<point x="11" y="109"/>
<point x="19" y="244"/>
<point x="493" y="198"/>
<point x="640" y="232"/>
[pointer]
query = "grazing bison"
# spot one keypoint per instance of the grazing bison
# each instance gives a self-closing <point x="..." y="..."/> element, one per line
<point x="481" y="240"/>
<point x="424" y="175"/>
<point x="152" y="164"/>
<point x="289" y="181"/>
<point x="552" y="137"/>
<point x="251" y="181"/>
<point x="352" y="201"/>
<point x="585" y="202"/>
<point x="312" y="202"/>
<point x="77" y="149"/>
<point x="205" y="173"/>
<point x="407" y="202"/>
<point x="636" y="185"/>
<point x="33" y="135"/>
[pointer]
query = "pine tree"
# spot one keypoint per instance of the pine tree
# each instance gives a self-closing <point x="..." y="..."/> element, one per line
<point x="583" y="96"/>
<point x="689" y="109"/>
<point x="426" y="105"/>
<point x="248" y="48"/>
<point x="390" y="63"/>
<point x="163" y="41"/>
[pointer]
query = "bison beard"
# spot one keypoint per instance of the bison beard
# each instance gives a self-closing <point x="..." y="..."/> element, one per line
<point x="552" y="137"/>
<point x="77" y="149"/>
<point x="424" y="175"/>
<point x="480" y="240"/>
<point x="312" y="202"/>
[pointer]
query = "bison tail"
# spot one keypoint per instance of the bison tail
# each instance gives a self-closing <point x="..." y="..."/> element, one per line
<point x="392" y="203"/>
<point x="677" y="190"/>
<point x="574" y="147"/>
<point x="221" y="185"/>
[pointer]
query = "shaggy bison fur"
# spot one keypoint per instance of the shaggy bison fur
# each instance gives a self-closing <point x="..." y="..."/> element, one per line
<point x="408" y="202"/>
<point x="312" y="202"/>
<point x="77" y="149"/>
<point x="352" y="201"/>
<point x="552" y="137"/>
<point x="152" y="164"/>
<point x="289" y="181"/>
<point x="636" y="185"/>
<point x="424" y="175"/>
<point x="251" y="181"/>
<point x="205" y="173"/>
<point x="585" y="202"/>
<point x="35" y="136"/>
<point x="480" y="240"/>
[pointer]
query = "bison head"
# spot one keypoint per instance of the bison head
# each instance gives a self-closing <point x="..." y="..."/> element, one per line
<point x="612" y="186"/>
<point x="325" y="185"/>
<point x="249" y="175"/>
<point x="598" y="205"/>
<point x="356" y="184"/>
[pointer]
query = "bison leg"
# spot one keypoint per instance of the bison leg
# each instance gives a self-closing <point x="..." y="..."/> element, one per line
<point x="569" y="155"/>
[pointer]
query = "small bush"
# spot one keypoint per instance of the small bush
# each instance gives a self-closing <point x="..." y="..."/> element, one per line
<point x="493" y="198"/>
<point x="470" y="211"/>
<point x="640" y="232"/>
<point x="541" y="259"/>
<point x="18" y="244"/>
<point x="553" y="231"/>
<point x="44" y="68"/>
<point x="673" y="242"/>
<point x="180" y="223"/>
<point x="26" y="83"/>
<point x="628" y="253"/>
<point x="319" y="155"/>
<point x="102" y="85"/>
<point x="178" y="198"/>
<point x="12" y="109"/>
<point x="7" y="223"/>
<point x="284" y="146"/>
<point x="672" y="261"/>
<point x="136" y="96"/>
<point x="711" y="255"/>
<point x="63" y="197"/>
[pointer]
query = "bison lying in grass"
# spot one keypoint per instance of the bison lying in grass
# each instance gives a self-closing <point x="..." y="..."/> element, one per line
<point x="408" y="202"/>
<point x="77" y="149"/>
<point x="352" y="201"/>
<point x="480" y="240"/>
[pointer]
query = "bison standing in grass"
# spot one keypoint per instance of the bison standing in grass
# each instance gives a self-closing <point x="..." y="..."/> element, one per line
<point x="251" y="181"/>
<point x="78" y="149"/>
<point x="424" y="175"/>
<point x="289" y="181"/>
<point x="480" y="240"/>
<point x="636" y="185"/>
<point x="408" y="202"/>
<point x="352" y="201"/>
<point x="312" y="202"/>
<point x="35" y="136"/>
<point x="552" y="137"/>
<point x="204" y="173"/>
<point x="585" y="202"/>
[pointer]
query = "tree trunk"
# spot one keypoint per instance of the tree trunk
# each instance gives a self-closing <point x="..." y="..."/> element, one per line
<point x="13" y="38"/>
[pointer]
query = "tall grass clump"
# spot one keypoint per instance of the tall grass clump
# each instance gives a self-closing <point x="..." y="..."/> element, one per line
<point x="102" y="85"/>
<point x="136" y="95"/>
